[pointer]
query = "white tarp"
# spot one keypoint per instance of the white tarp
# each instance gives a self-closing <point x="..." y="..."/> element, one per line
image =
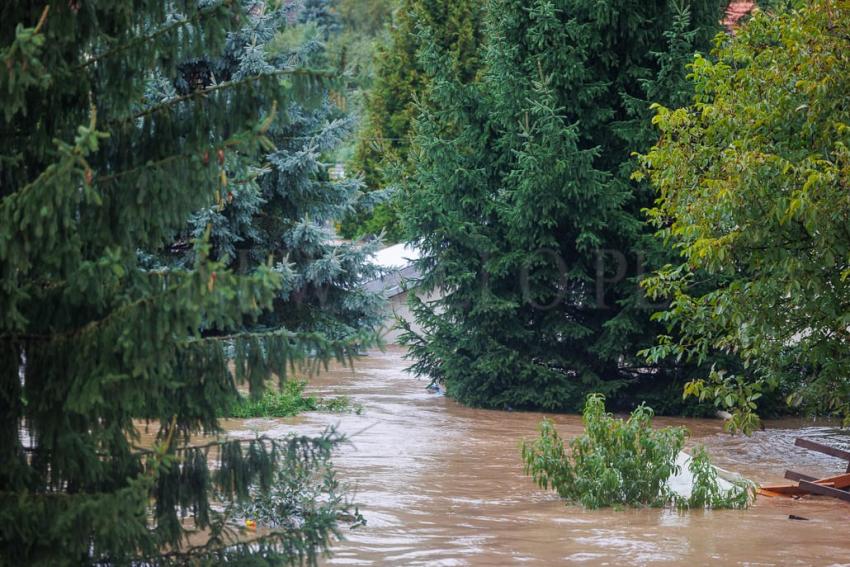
<point x="683" y="483"/>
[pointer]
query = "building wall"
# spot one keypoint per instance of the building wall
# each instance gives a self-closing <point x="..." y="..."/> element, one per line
<point x="397" y="307"/>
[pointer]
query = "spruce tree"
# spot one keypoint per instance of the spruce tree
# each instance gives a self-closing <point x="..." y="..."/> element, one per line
<point x="400" y="84"/>
<point x="522" y="202"/>
<point x="120" y="121"/>
<point x="283" y="203"/>
<point x="323" y="14"/>
<point x="366" y="17"/>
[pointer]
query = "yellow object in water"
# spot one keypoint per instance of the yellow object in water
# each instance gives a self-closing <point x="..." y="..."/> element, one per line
<point x="251" y="524"/>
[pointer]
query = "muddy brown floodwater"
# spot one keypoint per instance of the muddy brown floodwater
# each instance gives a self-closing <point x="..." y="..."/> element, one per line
<point x="441" y="484"/>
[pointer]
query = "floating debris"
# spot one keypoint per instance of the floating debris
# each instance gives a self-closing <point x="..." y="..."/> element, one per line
<point x="834" y="486"/>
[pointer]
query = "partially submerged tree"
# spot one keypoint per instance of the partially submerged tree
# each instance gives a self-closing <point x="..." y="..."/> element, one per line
<point x="628" y="462"/>
<point x="752" y="181"/>
<point x="521" y="201"/>
<point x="93" y="171"/>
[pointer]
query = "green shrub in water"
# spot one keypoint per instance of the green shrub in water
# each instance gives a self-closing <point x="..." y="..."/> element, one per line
<point x="622" y="462"/>
<point x="707" y="492"/>
<point x="290" y="401"/>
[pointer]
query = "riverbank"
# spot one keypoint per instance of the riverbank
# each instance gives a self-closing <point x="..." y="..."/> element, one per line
<point x="443" y="484"/>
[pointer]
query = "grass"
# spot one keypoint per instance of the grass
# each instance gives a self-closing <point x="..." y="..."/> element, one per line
<point x="290" y="401"/>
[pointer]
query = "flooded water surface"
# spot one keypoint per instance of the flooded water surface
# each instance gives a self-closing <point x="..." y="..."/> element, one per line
<point x="440" y="484"/>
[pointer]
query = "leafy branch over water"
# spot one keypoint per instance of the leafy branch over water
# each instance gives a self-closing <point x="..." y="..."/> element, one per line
<point x="623" y="462"/>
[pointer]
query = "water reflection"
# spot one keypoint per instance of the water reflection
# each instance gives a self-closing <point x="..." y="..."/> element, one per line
<point x="443" y="485"/>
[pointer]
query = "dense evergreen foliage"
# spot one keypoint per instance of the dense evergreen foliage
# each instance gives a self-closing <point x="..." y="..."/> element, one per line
<point x="752" y="180"/>
<point x="353" y="49"/>
<point x="166" y="240"/>
<point x="282" y="204"/>
<point x="400" y="83"/>
<point x="121" y="120"/>
<point x="521" y="201"/>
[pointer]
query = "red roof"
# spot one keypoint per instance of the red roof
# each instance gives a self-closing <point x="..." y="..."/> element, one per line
<point x="736" y="11"/>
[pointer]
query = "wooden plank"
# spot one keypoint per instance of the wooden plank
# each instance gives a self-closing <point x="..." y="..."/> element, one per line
<point x="771" y="494"/>
<point x="785" y="489"/>
<point x="797" y="477"/>
<point x="821" y="448"/>
<point x="838" y="481"/>
<point x="815" y="488"/>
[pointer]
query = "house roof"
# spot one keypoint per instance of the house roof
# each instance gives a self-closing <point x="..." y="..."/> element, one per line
<point x="735" y="11"/>
<point x="397" y="264"/>
<point x="395" y="257"/>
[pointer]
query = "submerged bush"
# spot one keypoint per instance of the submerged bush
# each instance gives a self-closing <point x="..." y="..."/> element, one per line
<point x="707" y="492"/>
<point x="290" y="401"/>
<point x="622" y="462"/>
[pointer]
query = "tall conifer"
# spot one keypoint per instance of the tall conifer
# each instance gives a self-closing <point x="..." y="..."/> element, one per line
<point x="282" y="203"/>
<point x="400" y="84"/>
<point x="522" y="204"/>
<point x="120" y="121"/>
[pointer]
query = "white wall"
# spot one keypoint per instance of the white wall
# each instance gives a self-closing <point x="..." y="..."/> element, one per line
<point x="397" y="307"/>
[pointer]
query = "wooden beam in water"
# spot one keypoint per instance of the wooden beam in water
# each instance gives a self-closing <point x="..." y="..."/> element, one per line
<point x="770" y="493"/>
<point x="821" y="448"/>
<point x="784" y="489"/>
<point x="797" y="477"/>
<point x="816" y="488"/>
<point x="839" y="481"/>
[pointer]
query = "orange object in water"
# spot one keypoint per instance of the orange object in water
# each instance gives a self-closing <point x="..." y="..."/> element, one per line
<point x="251" y="524"/>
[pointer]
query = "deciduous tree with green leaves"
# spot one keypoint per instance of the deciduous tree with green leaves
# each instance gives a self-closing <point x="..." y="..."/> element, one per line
<point x="120" y="121"/>
<point x="752" y="182"/>
<point x="629" y="462"/>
